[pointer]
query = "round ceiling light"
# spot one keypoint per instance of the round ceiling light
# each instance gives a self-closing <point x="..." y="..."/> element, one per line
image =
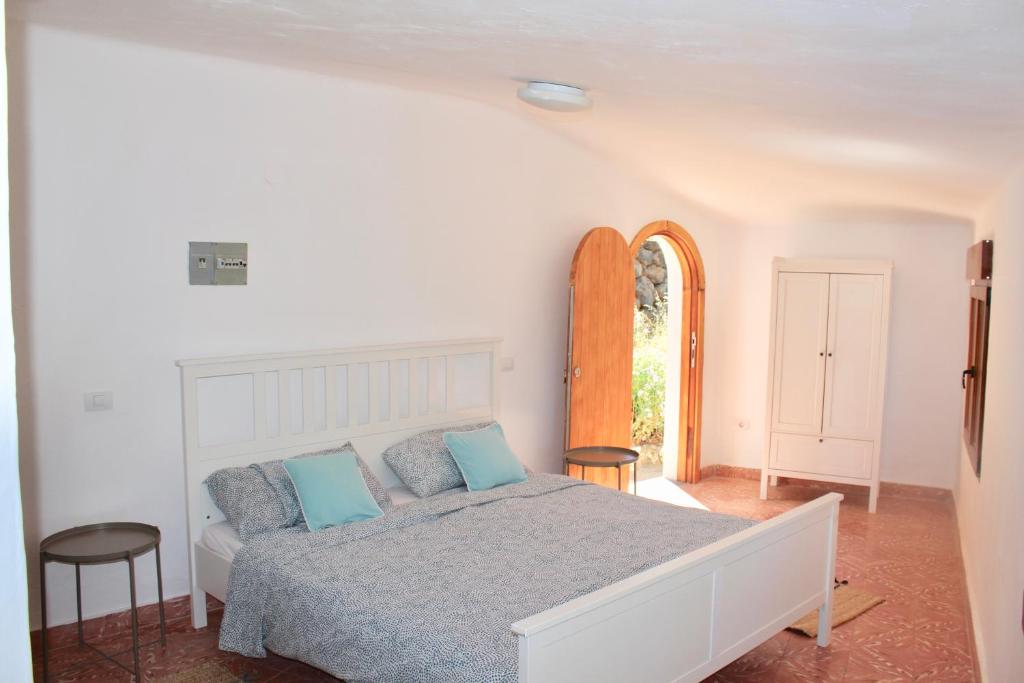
<point x="555" y="96"/>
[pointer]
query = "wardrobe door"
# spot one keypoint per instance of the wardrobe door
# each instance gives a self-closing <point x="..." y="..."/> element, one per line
<point x="801" y="326"/>
<point x="853" y="355"/>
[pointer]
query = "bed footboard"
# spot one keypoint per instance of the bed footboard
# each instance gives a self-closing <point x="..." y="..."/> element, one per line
<point x="689" y="617"/>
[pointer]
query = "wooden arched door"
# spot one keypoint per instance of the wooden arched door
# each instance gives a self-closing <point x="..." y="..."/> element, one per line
<point x="599" y="368"/>
<point x="599" y="359"/>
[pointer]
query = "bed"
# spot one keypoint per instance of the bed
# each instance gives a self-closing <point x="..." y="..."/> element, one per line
<point x="711" y="588"/>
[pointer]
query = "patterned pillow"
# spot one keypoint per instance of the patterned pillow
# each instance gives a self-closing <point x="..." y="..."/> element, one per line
<point x="277" y="475"/>
<point x="248" y="501"/>
<point x="425" y="464"/>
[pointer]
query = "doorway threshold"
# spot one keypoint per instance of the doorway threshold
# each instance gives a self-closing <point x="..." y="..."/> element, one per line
<point x="667" y="491"/>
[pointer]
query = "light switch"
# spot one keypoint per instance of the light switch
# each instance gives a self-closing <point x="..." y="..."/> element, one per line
<point x="508" y="364"/>
<point x="99" y="400"/>
<point x="218" y="263"/>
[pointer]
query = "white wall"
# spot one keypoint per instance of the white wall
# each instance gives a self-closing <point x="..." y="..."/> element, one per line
<point x="372" y="215"/>
<point x="15" y="652"/>
<point x="926" y="345"/>
<point x="991" y="509"/>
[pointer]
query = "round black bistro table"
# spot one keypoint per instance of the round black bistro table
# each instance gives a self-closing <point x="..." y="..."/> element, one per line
<point x="102" y="544"/>
<point x="602" y="456"/>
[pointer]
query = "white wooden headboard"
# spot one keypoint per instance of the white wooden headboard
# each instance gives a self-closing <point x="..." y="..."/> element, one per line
<point x="245" y="409"/>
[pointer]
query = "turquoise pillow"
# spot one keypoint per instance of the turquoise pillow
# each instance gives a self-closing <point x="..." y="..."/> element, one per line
<point x="331" y="490"/>
<point x="484" y="458"/>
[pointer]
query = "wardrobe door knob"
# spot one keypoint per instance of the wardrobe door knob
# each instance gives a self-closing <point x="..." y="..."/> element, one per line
<point x="821" y="440"/>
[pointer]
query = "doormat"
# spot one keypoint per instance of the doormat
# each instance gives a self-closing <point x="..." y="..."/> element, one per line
<point x="847" y="603"/>
<point x="207" y="672"/>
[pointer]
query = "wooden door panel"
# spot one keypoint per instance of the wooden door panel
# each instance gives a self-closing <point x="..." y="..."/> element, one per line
<point x="973" y="377"/>
<point x="979" y="272"/>
<point x="800" y="340"/>
<point x="853" y="353"/>
<point x="599" y="378"/>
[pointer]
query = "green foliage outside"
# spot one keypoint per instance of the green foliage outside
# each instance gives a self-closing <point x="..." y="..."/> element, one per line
<point x="650" y="348"/>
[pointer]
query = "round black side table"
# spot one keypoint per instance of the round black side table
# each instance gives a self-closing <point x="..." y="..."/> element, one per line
<point x="102" y="544"/>
<point x="602" y="456"/>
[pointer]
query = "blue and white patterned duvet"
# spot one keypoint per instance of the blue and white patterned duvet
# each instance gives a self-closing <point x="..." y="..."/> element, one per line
<point x="428" y="591"/>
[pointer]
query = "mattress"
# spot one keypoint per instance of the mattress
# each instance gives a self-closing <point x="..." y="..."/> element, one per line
<point x="222" y="539"/>
<point x="400" y="495"/>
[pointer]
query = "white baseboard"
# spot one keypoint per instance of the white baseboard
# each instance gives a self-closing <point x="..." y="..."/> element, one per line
<point x="979" y="643"/>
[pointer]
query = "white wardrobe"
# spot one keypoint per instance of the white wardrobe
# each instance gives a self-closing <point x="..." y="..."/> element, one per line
<point x="826" y="371"/>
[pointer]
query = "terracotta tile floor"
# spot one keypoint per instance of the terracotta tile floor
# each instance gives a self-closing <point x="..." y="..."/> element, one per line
<point x="908" y="553"/>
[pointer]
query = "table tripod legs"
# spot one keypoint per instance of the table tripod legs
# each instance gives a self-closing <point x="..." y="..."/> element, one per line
<point x="42" y="599"/>
<point x="135" y="619"/>
<point x="78" y="603"/>
<point x="160" y="596"/>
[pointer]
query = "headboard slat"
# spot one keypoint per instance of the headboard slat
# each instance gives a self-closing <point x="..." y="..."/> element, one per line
<point x="394" y="400"/>
<point x="353" y="399"/>
<point x="330" y="397"/>
<point x="449" y="382"/>
<point x="414" y="388"/>
<point x="259" y="405"/>
<point x="284" y="403"/>
<point x="373" y="392"/>
<point x="308" y="424"/>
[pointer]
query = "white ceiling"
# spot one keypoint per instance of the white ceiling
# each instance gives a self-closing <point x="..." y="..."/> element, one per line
<point x="758" y="108"/>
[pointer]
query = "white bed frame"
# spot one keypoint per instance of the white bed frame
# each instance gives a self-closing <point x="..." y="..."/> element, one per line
<point x="679" y="621"/>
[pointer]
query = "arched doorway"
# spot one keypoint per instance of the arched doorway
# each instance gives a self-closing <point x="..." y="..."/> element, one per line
<point x="684" y="368"/>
